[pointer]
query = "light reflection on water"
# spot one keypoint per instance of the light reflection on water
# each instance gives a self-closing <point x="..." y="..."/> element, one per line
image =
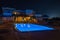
<point x="31" y="27"/>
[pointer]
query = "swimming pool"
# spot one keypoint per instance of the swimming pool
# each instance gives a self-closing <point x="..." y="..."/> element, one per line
<point x="31" y="27"/>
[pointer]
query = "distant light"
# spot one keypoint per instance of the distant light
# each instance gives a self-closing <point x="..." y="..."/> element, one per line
<point x="15" y="13"/>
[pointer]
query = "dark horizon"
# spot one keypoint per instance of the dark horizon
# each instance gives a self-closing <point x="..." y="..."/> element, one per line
<point x="48" y="7"/>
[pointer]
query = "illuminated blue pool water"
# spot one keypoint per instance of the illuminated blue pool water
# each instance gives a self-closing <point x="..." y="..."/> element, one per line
<point x="31" y="27"/>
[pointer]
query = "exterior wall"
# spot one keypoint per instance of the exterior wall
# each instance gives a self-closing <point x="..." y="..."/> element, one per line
<point x="29" y="12"/>
<point x="7" y="11"/>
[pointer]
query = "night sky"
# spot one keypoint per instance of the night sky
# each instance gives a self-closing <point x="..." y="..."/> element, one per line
<point x="49" y="7"/>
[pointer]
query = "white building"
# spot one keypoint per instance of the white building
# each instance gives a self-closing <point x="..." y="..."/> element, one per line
<point x="28" y="12"/>
<point x="7" y="11"/>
